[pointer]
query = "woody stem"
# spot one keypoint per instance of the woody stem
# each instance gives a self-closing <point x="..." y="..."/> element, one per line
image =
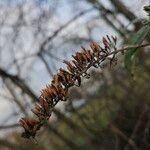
<point x="129" y="47"/>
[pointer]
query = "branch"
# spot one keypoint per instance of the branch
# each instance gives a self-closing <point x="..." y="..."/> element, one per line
<point x="42" y="47"/>
<point x="122" y="50"/>
<point x="46" y="64"/>
<point x="15" y="97"/>
<point x="141" y="124"/>
<point x="122" y="135"/>
<point x="104" y="13"/>
<point x="126" y="12"/>
<point x="3" y="127"/>
<point x="18" y="82"/>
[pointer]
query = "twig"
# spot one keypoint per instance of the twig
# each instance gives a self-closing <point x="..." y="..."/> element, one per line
<point x="3" y="127"/>
<point x="42" y="47"/>
<point x="138" y="125"/>
<point x="122" y="135"/>
<point x="129" y="47"/>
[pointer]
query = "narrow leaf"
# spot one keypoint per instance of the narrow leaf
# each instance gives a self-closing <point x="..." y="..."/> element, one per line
<point x="138" y="38"/>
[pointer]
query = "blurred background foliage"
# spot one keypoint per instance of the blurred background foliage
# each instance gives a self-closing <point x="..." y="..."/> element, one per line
<point x="111" y="110"/>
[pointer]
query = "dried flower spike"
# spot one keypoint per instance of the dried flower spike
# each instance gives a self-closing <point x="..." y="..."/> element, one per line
<point x="64" y="79"/>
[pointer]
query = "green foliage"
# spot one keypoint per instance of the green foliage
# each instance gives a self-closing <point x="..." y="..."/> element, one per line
<point x="131" y="55"/>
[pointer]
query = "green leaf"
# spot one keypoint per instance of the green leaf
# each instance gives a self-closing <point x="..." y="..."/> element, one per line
<point x="138" y="38"/>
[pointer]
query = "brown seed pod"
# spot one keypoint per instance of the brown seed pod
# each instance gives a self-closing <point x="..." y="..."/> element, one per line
<point x="95" y="47"/>
<point x="40" y="112"/>
<point x="31" y="126"/>
<point x="63" y="76"/>
<point x="78" y="57"/>
<point x="77" y="65"/>
<point x="44" y="104"/>
<point x="147" y="9"/>
<point x="89" y="55"/>
<point x="64" y="71"/>
<point x="62" y="93"/>
<point x="56" y="79"/>
<point x="70" y="67"/>
<point x="46" y="94"/>
<point x="85" y="58"/>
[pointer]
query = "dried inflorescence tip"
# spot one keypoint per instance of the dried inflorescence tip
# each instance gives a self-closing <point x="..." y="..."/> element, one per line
<point x="31" y="126"/>
<point x="64" y="79"/>
<point x="147" y="9"/>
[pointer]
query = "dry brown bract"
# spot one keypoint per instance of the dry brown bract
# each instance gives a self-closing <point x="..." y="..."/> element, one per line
<point x="147" y="9"/>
